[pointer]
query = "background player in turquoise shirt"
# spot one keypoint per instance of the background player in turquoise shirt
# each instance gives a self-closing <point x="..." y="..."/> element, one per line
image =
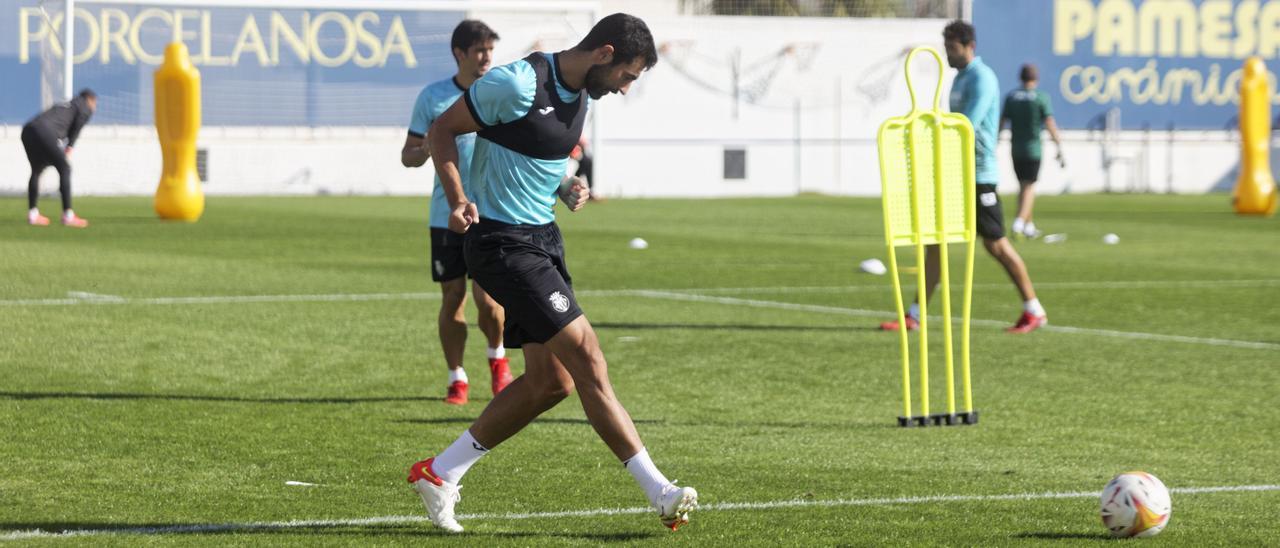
<point x="528" y="116"/>
<point x="1029" y="112"/>
<point x="472" y="46"/>
<point x="976" y="94"/>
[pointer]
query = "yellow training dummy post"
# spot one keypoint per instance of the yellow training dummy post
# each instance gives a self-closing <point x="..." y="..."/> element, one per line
<point x="177" y="85"/>
<point x="927" y="177"/>
<point x="1255" y="192"/>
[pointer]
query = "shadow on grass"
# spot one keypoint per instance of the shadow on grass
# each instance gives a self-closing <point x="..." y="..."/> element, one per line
<point x="1045" y="535"/>
<point x="734" y="327"/>
<point x="797" y="425"/>
<point x="337" y="529"/>
<point x="194" y="397"/>
<point x="469" y="420"/>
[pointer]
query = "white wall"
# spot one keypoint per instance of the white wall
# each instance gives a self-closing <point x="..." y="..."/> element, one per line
<point x="806" y="118"/>
<point x="112" y="160"/>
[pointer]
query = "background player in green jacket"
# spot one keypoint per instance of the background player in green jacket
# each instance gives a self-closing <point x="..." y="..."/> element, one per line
<point x="1028" y="112"/>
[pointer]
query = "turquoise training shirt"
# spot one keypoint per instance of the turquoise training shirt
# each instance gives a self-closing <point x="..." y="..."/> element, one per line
<point x="510" y="187"/>
<point x="976" y="94"/>
<point x="432" y="101"/>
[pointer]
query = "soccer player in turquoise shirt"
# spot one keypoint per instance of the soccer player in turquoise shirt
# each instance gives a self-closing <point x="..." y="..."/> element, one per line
<point x="976" y="94"/>
<point x="528" y="117"/>
<point x="472" y="47"/>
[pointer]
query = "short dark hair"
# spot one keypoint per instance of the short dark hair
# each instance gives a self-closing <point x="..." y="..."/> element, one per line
<point x="1029" y="73"/>
<point x="628" y="35"/>
<point x="88" y="94"/>
<point x="961" y="32"/>
<point x="471" y="32"/>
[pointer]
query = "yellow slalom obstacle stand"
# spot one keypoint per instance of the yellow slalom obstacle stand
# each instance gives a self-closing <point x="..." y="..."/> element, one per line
<point x="927" y="178"/>
<point x="1255" y="191"/>
<point x="177" y="86"/>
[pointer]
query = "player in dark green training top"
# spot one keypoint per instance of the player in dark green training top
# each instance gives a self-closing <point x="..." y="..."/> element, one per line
<point x="1028" y="111"/>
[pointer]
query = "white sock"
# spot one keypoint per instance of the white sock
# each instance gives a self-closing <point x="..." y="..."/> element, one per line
<point x="914" y="311"/>
<point x="646" y="474"/>
<point x="68" y="214"/>
<point x="454" y="462"/>
<point x="456" y="375"/>
<point x="1033" y="307"/>
<point x="1018" y="225"/>
<point x="497" y="353"/>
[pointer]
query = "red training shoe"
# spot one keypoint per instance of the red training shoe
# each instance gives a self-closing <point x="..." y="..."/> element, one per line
<point x="500" y="374"/>
<point x="457" y="393"/>
<point x="1027" y="323"/>
<point x="74" y="221"/>
<point x="892" y="325"/>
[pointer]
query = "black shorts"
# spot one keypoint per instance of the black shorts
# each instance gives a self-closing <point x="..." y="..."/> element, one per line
<point x="522" y="267"/>
<point x="1028" y="171"/>
<point x="447" y="257"/>
<point x="990" y="216"/>
<point x="43" y="149"/>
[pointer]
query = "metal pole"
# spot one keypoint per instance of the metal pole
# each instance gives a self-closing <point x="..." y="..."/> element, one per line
<point x="68" y="49"/>
<point x="1169" y="165"/>
<point x="839" y="136"/>
<point x="798" y="151"/>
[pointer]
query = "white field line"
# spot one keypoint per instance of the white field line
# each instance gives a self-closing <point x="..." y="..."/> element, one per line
<point x="1136" y="284"/>
<point x="94" y="297"/>
<point x="690" y="295"/>
<point x="863" y="313"/>
<point x="723" y="506"/>
<point x="227" y="299"/>
<point x="79" y="297"/>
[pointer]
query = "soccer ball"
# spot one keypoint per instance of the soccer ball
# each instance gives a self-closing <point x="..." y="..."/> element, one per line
<point x="1135" y="504"/>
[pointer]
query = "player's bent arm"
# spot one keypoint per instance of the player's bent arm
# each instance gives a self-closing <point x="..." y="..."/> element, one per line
<point x="414" y="153"/>
<point x="442" y="137"/>
<point x="1052" y="126"/>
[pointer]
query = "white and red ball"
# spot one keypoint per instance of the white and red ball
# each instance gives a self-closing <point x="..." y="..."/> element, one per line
<point x="1135" y="504"/>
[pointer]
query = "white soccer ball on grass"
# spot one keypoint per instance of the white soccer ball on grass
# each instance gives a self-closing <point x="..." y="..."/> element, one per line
<point x="1135" y="504"/>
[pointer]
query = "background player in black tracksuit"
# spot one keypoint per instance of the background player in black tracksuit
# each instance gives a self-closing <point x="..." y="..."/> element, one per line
<point x="43" y="139"/>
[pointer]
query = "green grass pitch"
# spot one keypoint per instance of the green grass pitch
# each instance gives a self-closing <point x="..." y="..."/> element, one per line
<point x="137" y="396"/>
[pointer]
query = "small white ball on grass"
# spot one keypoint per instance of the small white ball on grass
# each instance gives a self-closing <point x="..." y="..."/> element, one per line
<point x="639" y="243"/>
<point x="873" y="266"/>
<point x="1111" y="239"/>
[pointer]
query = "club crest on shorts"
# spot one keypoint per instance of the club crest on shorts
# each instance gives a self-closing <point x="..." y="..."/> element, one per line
<point x="559" y="302"/>
<point x="439" y="268"/>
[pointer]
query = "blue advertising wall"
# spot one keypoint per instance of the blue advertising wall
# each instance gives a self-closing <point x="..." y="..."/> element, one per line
<point x="1164" y="63"/>
<point x="258" y="66"/>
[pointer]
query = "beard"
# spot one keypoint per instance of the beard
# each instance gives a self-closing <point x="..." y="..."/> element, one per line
<point x="595" y="82"/>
